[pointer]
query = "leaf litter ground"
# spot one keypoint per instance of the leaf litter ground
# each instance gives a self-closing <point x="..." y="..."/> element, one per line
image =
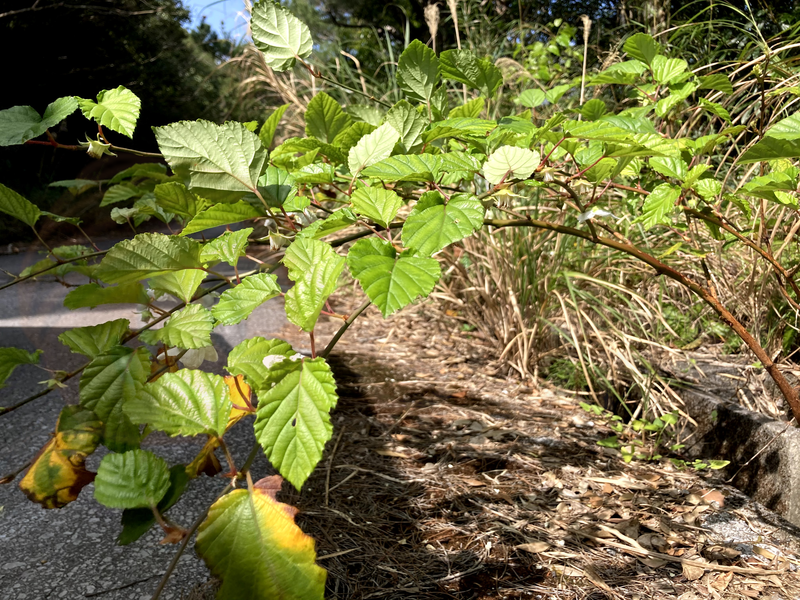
<point x="442" y="481"/>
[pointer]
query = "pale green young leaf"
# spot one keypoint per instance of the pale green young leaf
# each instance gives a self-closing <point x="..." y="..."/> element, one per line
<point x="107" y="383"/>
<point x="267" y="132"/>
<point x="391" y="282"/>
<point x="222" y="214"/>
<point x="786" y="129"/>
<point x="117" y="109"/>
<point x="461" y="161"/>
<point x="352" y="135"/>
<point x="175" y="198"/>
<point x="309" y="146"/>
<point x="134" y="479"/>
<point x="277" y="186"/>
<point x="418" y="72"/>
<point x="694" y="174"/>
<point x="668" y="70"/>
<point x="478" y="73"/>
<point x="181" y="284"/>
<point x="281" y="37"/>
<point x="594" y="109"/>
<point x="18" y="207"/>
<point x="315" y="269"/>
<point x="215" y="158"/>
<point x="315" y="174"/>
<point x="188" y="402"/>
<point x="471" y="108"/>
<point x="708" y="189"/>
<point x="228" y="247"/>
<point x="659" y="205"/>
<point x="11" y="358"/>
<point x="121" y="193"/>
<point x="670" y="167"/>
<point x="642" y="47"/>
<point x="434" y="224"/>
<point x="247" y="358"/>
<point x="250" y="542"/>
<point x="372" y="148"/>
<point x="325" y="119"/>
<point x="340" y="219"/>
<point x="376" y="203"/>
<point x="531" y="98"/>
<point x="92" y="295"/>
<point x="148" y="255"/>
<point x="94" y="340"/>
<point x="188" y="328"/>
<point x="293" y="418"/>
<point x="717" y="81"/>
<point x="510" y="162"/>
<point x="406" y="167"/>
<point x="366" y="114"/>
<point x="19" y="124"/>
<point x="555" y="93"/>
<point x="237" y="303"/>
<point x="464" y="128"/>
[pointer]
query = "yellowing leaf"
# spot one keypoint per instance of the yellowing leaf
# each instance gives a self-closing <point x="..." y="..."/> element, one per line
<point x="240" y="398"/>
<point x="58" y="474"/>
<point x="250" y="541"/>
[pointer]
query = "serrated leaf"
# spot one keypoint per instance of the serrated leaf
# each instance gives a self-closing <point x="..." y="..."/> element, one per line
<point x="311" y="147"/>
<point x="670" y="167"/>
<point x="280" y="36"/>
<point x="133" y="479"/>
<point x="247" y="358"/>
<point x="148" y="255"/>
<point x="120" y="193"/>
<point x="418" y="72"/>
<point x="58" y="472"/>
<point x="138" y="521"/>
<point x="325" y="119"/>
<point x="187" y="402"/>
<point x="372" y="148"/>
<point x="293" y="417"/>
<point x="351" y="136"/>
<point x="107" y="383"/>
<point x="641" y="46"/>
<point x="237" y="303"/>
<point x="92" y="295"/>
<point x="267" y="132"/>
<point x="717" y="81"/>
<point x="117" y="109"/>
<point x="471" y="108"/>
<point x="376" y="203"/>
<point x="315" y="269"/>
<point x="511" y="161"/>
<point x="340" y="219"/>
<point x="94" y="340"/>
<point x="434" y="224"/>
<point x="659" y="204"/>
<point x="142" y="171"/>
<point x="365" y="113"/>
<point x="277" y="186"/>
<point x="215" y="158"/>
<point x="175" y="198"/>
<point x="181" y="284"/>
<point x="315" y="174"/>
<point x="407" y="167"/>
<point x="18" y="207"/>
<point x="222" y="214"/>
<point x="716" y="109"/>
<point x="465" y="128"/>
<point x="250" y="541"/>
<point x="708" y="189"/>
<point x="19" y="124"/>
<point x="391" y="282"/>
<point x="667" y="70"/>
<point x="461" y="161"/>
<point x="11" y="358"/>
<point x="189" y="328"/>
<point x="228" y="247"/>
<point x="531" y="98"/>
<point x="478" y="73"/>
<point x="771" y="148"/>
<point x="593" y="109"/>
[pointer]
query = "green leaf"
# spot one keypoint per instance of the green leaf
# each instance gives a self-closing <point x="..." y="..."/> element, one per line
<point x="461" y="161"/>
<point x="325" y="119"/>
<point x="717" y="81"/>
<point x="340" y="219"/>
<point x="181" y="284"/>
<point x="280" y="36"/>
<point x="277" y="186"/>
<point x="668" y="70"/>
<point x="315" y="173"/>
<point x="408" y="123"/>
<point x="351" y="136"/>
<point x="10" y="358"/>
<point x="315" y="269"/>
<point x="771" y="148"/>
<point x="434" y="224"/>
<point x="270" y="126"/>
<point x="659" y="204"/>
<point x="107" y="383"/>
<point x="117" y="109"/>
<point x="250" y="542"/>
<point x="95" y="340"/>
<point x="134" y="479"/>
<point x="142" y="171"/>
<point x="641" y="46"/>
<point x="18" y="207"/>
<point x="391" y="282"/>
<point x="531" y="98"/>
<point x="471" y="108"/>
<point x="593" y="109"/>
<point x="786" y="129"/>
<point x="228" y="247"/>
<point x="22" y="123"/>
<point x="187" y="402"/>
<point x="120" y="193"/>
<point x="372" y="148"/>
<point x="511" y="161"/>
<point x="462" y="128"/>
<point x="293" y="418"/>
<point x="670" y="167"/>
<point x="247" y="358"/>
<point x="215" y="158"/>
<point x="376" y="203"/>
<point x="408" y="167"/>
<point x="92" y="295"/>
<point x="311" y="147"/>
<point x="222" y="214"/>
<point x="175" y="198"/>
<point x="138" y="521"/>
<point x="369" y="115"/>
<point x="478" y="73"/>
<point x="236" y="304"/>
<point x="188" y="328"/>
<point x="148" y="255"/>
<point x="418" y="72"/>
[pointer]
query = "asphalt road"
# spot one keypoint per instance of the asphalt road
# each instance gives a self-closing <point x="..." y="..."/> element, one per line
<point x="72" y="552"/>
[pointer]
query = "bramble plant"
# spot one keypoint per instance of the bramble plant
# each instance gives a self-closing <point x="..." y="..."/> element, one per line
<point x="377" y="202"/>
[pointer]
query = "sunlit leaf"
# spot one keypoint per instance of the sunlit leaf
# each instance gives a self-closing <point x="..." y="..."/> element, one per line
<point x="237" y="303"/>
<point x="376" y="203"/>
<point x="91" y="295"/>
<point x="280" y="36"/>
<point x="478" y="73"/>
<point x="267" y="132"/>
<point x="372" y="148"/>
<point x="247" y="358"/>
<point x="94" y="340"/>
<point x="510" y="162"/>
<point x="148" y="255"/>
<point x="325" y="119"/>
<point x="435" y="224"/>
<point x="18" y="207"/>
<point x="117" y="109"/>
<point x="19" y="124"/>
<point x="642" y="47"/>
<point x="181" y="284"/>
<point x="133" y="479"/>
<point x="418" y="72"/>
<point x="188" y="328"/>
<point x="659" y="204"/>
